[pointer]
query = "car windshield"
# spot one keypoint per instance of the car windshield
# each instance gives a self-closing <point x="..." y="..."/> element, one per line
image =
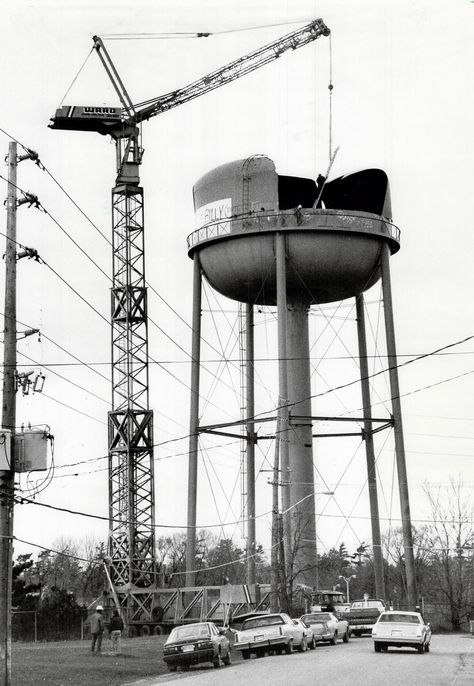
<point x="261" y="621"/>
<point x="320" y="617"/>
<point x="183" y="632"/>
<point x="400" y="618"/>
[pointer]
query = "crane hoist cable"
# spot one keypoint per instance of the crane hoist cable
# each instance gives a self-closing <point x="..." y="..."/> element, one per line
<point x="194" y="34"/>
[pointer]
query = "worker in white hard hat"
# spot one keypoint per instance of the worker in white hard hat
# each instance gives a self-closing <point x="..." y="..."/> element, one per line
<point x="97" y="629"/>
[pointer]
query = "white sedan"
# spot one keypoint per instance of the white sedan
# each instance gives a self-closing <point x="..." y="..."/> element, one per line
<point x="338" y="628"/>
<point x="275" y="632"/>
<point x="401" y="630"/>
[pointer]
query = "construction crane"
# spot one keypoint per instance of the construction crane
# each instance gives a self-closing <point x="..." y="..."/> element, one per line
<point x="131" y="544"/>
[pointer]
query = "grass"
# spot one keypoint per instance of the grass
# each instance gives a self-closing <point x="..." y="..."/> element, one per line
<point x="70" y="663"/>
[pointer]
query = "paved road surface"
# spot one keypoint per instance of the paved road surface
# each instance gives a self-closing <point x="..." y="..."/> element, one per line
<point x="449" y="663"/>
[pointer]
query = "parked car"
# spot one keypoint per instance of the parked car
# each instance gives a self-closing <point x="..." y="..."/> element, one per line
<point x="401" y="630"/>
<point x="322" y="633"/>
<point x="338" y="628"/>
<point x="308" y="632"/>
<point x="275" y="632"/>
<point x="192" y="644"/>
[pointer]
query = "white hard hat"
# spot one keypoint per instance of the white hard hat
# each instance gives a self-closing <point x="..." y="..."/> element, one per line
<point x="99" y="607"/>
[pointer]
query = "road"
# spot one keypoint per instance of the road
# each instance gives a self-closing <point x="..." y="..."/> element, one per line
<point x="449" y="663"/>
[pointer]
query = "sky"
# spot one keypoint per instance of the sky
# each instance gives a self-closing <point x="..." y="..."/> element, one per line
<point x="401" y="101"/>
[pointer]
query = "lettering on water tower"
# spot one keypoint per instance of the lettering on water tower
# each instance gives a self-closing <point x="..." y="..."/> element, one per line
<point x="215" y="213"/>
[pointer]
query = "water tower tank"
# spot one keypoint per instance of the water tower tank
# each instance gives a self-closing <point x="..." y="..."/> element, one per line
<point x="333" y="250"/>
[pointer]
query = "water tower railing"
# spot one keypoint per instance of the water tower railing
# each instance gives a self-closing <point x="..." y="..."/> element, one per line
<point x="297" y="219"/>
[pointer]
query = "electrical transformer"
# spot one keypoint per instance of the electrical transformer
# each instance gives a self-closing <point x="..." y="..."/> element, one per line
<point x="31" y="450"/>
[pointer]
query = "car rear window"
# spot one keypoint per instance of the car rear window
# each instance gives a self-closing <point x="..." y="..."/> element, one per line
<point x="400" y="618"/>
<point x="321" y="617"/>
<point x="183" y="632"/>
<point x="261" y="621"/>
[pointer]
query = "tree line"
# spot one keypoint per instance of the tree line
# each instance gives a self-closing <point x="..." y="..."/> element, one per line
<point x="57" y="587"/>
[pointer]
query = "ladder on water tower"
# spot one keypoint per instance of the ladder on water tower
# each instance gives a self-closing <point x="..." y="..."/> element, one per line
<point x="242" y="323"/>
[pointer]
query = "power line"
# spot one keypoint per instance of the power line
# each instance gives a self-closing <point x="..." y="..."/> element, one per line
<point x="154" y="323"/>
<point x="382" y="371"/>
<point x="43" y="168"/>
<point x="70" y="407"/>
<point x="27" y="501"/>
<point x="73" y="383"/>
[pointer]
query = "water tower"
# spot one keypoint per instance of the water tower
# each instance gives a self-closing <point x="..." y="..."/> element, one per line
<point x="290" y="242"/>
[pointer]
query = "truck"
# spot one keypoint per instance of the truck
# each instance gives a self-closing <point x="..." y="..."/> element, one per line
<point x="363" y="614"/>
<point x="169" y="607"/>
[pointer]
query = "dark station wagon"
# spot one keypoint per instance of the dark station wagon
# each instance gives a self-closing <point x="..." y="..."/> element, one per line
<point x="192" y="644"/>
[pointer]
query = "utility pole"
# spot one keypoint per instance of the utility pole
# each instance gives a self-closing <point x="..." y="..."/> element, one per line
<point x="7" y="476"/>
<point x="275" y="549"/>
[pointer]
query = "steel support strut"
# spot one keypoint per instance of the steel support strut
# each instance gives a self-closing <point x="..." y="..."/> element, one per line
<point x="194" y="425"/>
<point x="398" y="429"/>
<point x="369" y="450"/>
<point x="131" y="486"/>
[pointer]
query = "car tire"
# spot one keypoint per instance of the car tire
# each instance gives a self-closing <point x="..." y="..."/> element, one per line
<point x="245" y="654"/>
<point x="227" y="660"/>
<point x="421" y="649"/>
<point x="289" y="648"/>
<point x="427" y="648"/>
<point x="303" y="646"/>
<point x="333" y="640"/>
<point x="312" y="645"/>
<point x="217" y="661"/>
<point x="377" y="648"/>
<point x="345" y="638"/>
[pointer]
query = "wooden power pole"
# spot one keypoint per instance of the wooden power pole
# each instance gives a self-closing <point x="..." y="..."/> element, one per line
<point x="7" y="476"/>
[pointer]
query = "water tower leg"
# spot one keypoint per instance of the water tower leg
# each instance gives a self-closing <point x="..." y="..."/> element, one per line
<point x="300" y="440"/>
<point x="250" y="411"/>
<point x="398" y="427"/>
<point x="369" y="450"/>
<point x="282" y="424"/>
<point x="193" y="425"/>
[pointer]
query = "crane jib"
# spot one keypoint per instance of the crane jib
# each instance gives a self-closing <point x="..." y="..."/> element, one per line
<point x="109" y="120"/>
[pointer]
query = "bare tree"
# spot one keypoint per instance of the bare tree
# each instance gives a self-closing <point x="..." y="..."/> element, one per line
<point x="450" y="539"/>
<point x="394" y="554"/>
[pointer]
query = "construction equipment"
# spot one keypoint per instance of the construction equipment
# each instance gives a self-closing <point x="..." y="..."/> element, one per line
<point x="131" y="480"/>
